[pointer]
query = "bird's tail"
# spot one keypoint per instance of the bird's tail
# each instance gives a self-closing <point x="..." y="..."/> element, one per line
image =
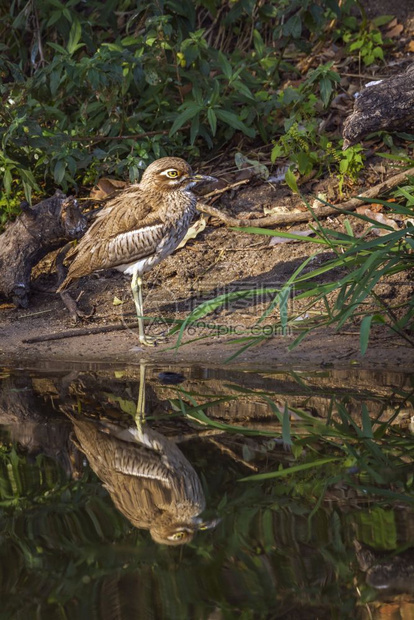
<point x="66" y="282"/>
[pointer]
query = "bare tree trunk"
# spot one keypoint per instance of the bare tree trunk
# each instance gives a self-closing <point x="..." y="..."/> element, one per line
<point x="35" y="233"/>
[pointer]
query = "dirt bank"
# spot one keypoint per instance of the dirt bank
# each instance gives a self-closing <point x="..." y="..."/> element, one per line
<point x="219" y="261"/>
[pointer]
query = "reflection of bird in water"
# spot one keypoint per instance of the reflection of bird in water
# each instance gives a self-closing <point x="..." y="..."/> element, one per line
<point x="147" y="476"/>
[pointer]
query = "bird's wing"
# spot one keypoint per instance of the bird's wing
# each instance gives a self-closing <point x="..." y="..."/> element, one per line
<point x="125" y="231"/>
<point x="129" y="210"/>
<point x="107" y="453"/>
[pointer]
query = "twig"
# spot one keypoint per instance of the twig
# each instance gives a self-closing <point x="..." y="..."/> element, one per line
<point x="216" y="192"/>
<point x="136" y="136"/>
<point x="73" y="333"/>
<point x="232" y="454"/>
<point x="26" y="316"/>
<point x="306" y="216"/>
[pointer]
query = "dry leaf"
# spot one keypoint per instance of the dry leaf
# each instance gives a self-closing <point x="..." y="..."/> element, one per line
<point x="193" y="231"/>
<point x="410" y="46"/>
<point x="395" y="32"/>
<point x="380" y="218"/>
<point x="6" y="306"/>
<point x="277" y="210"/>
<point x="376" y="207"/>
<point x="105" y="187"/>
<point x="320" y="201"/>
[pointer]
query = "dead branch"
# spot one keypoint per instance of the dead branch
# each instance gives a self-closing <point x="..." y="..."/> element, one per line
<point x="73" y="333"/>
<point x="306" y="216"/>
<point x="221" y="190"/>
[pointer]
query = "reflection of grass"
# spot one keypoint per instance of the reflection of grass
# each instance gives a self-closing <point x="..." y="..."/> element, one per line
<point x="66" y="551"/>
<point x="372" y="456"/>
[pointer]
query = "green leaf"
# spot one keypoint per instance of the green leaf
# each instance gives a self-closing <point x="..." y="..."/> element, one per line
<point x="57" y="48"/>
<point x="277" y="151"/>
<point x="364" y="333"/>
<point x="7" y="181"/>
<point x="382" y="20"/>
<point x="289" y="470"/>
<point x="242" y="88"/>
<point x="74" y="37"/>
<point x="325" y="86"/>
<point x="212" y="119"/>
<point x="291" y="181"/>
<point x="293" y="27"/>
<point x="348" y="228"/>
<point x="27" y="191"/>
<point x="55" y="79"/>
<point x="286" y="436"/>
<point x="343" y="165"/>
<point x="258" y="43"/>
<point x="54" y="17"/>
<point x="233" y="121"/>
<point x="191" y="111"/>
<point x="225" y="65"/>
<point x="59" y="171"/>
<point x="366" y="422"/>
<point x="194" y="129"/>
<point x="356" y="45"/>
<point x="304" y="162"/>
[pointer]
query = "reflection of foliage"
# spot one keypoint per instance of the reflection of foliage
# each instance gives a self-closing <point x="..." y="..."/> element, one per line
<point x="77" y="545"/>
<point x="370" y="453"/>
<point x="66" y="551"/>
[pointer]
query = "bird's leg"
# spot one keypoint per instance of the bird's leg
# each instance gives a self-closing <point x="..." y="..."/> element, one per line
<point x="140" y="413"/>
<point x="136" y="286"/>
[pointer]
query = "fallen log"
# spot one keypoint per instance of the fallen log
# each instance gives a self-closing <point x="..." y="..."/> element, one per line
<point x="281" y="219"/>
<point x="36" y="232"/>
<point x="388" y="105"/>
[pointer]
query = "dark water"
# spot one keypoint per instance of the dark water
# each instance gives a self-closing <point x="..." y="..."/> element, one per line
<point x="190" y="512"/>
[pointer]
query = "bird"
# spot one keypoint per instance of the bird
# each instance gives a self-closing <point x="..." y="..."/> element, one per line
<point x="139" y="227"/>
<point x="147" y="476"/>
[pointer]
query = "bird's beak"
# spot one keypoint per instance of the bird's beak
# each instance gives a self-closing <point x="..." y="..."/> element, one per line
<point x="208" y="525"/>
<point x="202" y="177"/>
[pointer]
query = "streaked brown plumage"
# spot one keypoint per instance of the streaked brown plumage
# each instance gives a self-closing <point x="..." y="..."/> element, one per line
<point x="149" y="479"/>
<point x="139" y="227"/>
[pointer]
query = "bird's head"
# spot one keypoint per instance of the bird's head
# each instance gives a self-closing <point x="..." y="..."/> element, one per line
<point x="171" y="174"/>
<point x="180" y="534"/>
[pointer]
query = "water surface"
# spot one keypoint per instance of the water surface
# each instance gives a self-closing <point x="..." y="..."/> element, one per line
<point x="189" y="509"/>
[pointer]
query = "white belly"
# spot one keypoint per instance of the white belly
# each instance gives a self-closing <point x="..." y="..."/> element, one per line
<point x="137" y="267"/>
<point x="164" y="249"/>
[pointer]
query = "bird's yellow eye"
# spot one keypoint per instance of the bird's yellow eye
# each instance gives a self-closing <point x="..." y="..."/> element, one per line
<point x="172" y="174"/>
<point x="177" y="536"/>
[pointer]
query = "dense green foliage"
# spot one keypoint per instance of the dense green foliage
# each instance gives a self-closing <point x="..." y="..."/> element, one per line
<point x="105" y="87"/>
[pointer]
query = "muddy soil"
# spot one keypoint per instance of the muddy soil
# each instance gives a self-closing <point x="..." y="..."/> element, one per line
<point x="220" y="260"/>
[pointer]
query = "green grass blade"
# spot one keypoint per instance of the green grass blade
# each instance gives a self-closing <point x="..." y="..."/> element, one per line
<point x="290" y="470"/>
<point x="364" y="332"/>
